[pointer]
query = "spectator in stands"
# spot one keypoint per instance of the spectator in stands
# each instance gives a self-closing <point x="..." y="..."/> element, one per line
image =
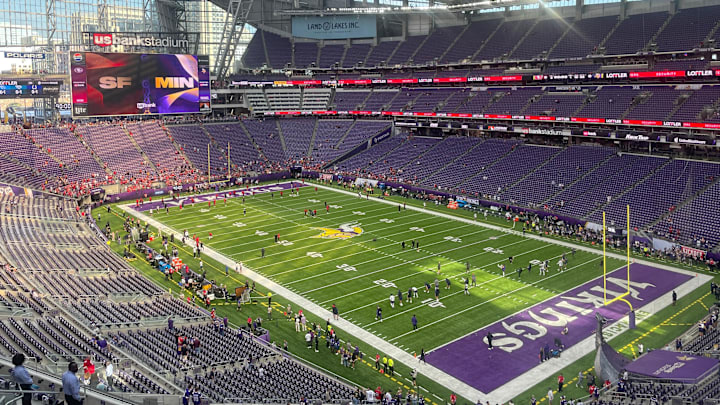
<point x="21" y="377"/>
<point x="71" y="385"/>
<point x="88" y="370"/>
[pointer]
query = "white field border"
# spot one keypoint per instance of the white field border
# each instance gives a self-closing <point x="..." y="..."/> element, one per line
<point x="506" y="392"/>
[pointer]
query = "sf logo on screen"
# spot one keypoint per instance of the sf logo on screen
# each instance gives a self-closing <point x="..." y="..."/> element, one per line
<point x="118" y="82"/>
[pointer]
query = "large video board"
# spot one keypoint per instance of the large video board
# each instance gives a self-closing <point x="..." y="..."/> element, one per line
<point x="133" y="83"/>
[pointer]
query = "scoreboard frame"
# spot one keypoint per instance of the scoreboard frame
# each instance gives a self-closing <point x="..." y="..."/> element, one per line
<point x="29" y="88"/>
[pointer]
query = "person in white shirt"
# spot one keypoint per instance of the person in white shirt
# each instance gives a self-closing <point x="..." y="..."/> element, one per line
<point x="392" y="300"/>
<point x="109" y="374"/>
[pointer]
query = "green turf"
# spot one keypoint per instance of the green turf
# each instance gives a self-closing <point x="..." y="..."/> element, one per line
<point x="349" y="272"/>
<point x="360" y="273"/>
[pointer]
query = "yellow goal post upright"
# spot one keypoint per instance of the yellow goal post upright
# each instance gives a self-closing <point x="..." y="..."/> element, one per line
<point x="621" y="297"/>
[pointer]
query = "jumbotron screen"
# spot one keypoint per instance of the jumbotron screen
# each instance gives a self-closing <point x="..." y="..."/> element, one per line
<point x="134" y="83"/>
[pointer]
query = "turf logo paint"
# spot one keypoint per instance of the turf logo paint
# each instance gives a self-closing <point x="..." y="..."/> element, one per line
<point x="345" y="231"/>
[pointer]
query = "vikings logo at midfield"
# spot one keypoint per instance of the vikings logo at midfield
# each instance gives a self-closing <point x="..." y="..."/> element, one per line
<point x="345" y="231"/>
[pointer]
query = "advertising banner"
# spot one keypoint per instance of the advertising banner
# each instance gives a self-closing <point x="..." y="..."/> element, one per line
<point x="334" y="27"/>
<point x="125" y="84"/>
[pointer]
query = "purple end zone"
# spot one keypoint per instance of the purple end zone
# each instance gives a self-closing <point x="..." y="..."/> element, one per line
<point x="518" y="339"/>
<point x="667" y="365"/>
<point x="209" y="197"/>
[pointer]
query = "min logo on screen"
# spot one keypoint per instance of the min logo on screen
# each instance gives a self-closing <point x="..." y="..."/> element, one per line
<point x="174" y="83"/>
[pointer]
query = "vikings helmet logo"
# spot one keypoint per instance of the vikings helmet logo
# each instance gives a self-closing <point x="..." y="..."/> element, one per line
<point x="345" y="231"/>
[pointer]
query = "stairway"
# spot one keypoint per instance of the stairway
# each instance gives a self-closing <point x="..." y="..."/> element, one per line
<point x="420" y="156"/>
<point x="412" y="55"/>
<point x="342" y="139"/>
<point x="528" y="174"/>
<point x="282" y="138"/>
<point x="600" y="164"/>
<point x="487" y="40"/>
<point x="469" y="151"/>
<point x="662" y="27"/>
<point x="146" y="158"/>
<point x="683" y="203"/>
<point x="493" y="163"/>
<point x="450" y="46"/>
<point x="609" y="34"/>
<point x="627" y="190"/>
<point x="312" y="140"/>
<point x="178" y="148"/>
<point x="527" y="33"/>
<point x="92" y="153"/>
<point x="552" y="48"/>
<point x="247" y="133"/>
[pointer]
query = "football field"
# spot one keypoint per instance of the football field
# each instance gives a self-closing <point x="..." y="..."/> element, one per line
<point x="352" y="256"/>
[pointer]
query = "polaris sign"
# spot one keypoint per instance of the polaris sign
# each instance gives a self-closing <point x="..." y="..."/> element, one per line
<point x="334" y="27"/>
<point x="25" y="55"/>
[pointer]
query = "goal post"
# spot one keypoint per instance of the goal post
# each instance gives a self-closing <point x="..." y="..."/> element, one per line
<point x="621" y="297"/>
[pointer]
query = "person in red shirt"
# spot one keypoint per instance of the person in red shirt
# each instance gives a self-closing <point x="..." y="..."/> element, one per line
<point x="561" y="381"/>
<point x="88" y="370"/>
<point x="453" y="398"/>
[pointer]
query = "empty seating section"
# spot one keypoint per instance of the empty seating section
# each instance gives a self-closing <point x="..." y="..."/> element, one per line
<point x="634" y="33"/>
<point x="512" y="101"/>
<point x="266" y="137"/>
<point x="655" y="102"/>
<point x="430" y="100"/>
<point x="378" y="99"/>
<point x="279" y="50"/>
<point x="451" y="147"/>
<point x="692" y="107"/>
<point x="79" y="164"/>
<point x="359" y="162"/>
<point x="243" y="153"/>
<point x="275" y="379"/>
<point x="556" y="104"/>
<point x="159" y="347"/>
<point x="507" y="36"/>
<point x="437" y="43"/>
<point x="15" y="173"/>
<point x="540" y="39"/>
<point x="349" y="100"/>
<point x="470" y="41"/>
<point x="476" y="160"/>
<point x="408" y="152"/>
<point x="381" y="53"/>
<point x="608" y="180"/>
<point x="327" y="144"/>
<point x="583" y="37"/>
<point x="298" y="133"/>
<point x="16" y="146"/>
<point x="356" y="54"/>
<point x="406" y="49"/>
<point x="688" y="29"/>
<point x="660" y="192"/>
<point x="696" y="220"/>
<point x="254" y="56"/>
<point x="154" y="141"/>
<point x="501" y="39"/>
<point x="315" y="99"/>
<point x="306" y="54"/>
<point x="113" y="146"/>
<point x="330" y="55"/>
<point x="557" y="173"/>
<point x="475" y="102"/>
<point x="609" y="102"/>
<point x="508" y="170"/>
<point x="103" y="312"/>
<point x="194" y="143"/>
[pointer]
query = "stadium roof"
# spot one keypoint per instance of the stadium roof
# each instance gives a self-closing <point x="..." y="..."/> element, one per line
<point x="445" y="5"/>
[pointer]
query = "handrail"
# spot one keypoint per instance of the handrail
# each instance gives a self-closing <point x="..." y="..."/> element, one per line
<point x="88" y="392"/>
